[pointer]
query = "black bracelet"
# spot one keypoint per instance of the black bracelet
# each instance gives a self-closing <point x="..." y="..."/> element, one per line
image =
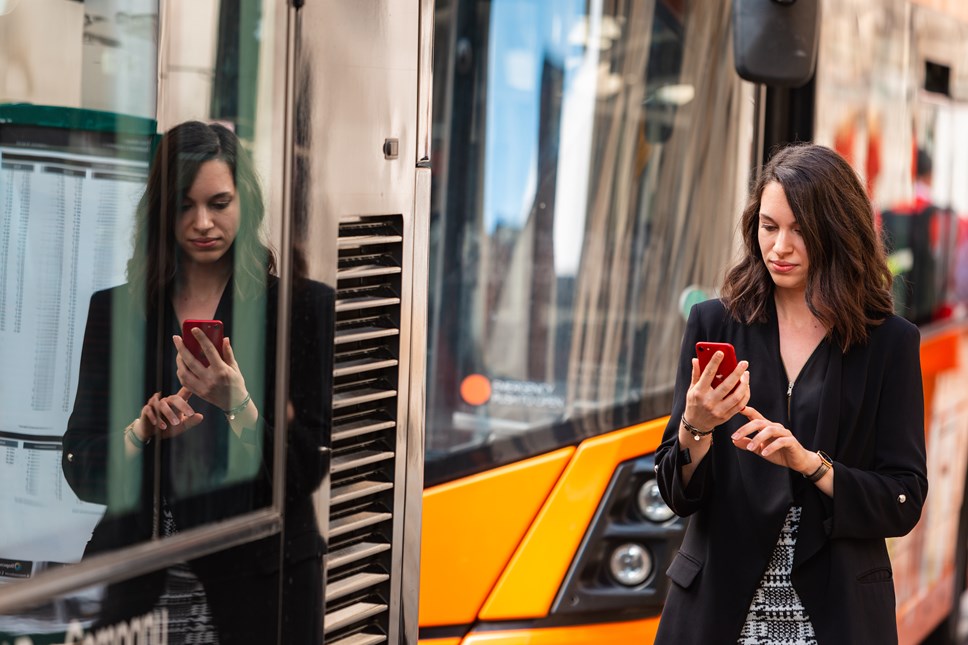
<point x="696" y="433"/>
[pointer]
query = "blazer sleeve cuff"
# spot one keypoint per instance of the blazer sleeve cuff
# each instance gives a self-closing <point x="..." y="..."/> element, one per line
<point x="684" y="499"/>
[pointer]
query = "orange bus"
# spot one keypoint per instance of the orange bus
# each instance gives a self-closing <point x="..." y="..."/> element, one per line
<point x="590" y="161"/>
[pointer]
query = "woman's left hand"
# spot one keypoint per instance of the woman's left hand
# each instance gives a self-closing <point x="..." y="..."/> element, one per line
<point x="221" y="383"/>
<point x="772" y="441"/>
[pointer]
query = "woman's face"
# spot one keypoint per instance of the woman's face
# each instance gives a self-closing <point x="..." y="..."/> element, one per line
<point x="209" y="217"/>
<point x="781" y="244"/>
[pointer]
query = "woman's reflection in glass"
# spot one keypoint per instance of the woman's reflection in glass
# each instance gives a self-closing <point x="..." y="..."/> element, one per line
<point x="199" y="255"/>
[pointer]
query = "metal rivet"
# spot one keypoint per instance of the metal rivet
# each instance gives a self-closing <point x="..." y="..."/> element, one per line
<point x="70" y="456"/>
<point x="901" y="499"/>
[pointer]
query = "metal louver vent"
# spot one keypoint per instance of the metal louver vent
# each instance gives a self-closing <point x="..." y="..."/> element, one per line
<point x="367" y="344"/>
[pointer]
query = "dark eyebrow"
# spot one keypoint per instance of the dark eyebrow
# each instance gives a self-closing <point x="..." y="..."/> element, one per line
<point x="767" y="217"/>
<point x="223" y="195"/>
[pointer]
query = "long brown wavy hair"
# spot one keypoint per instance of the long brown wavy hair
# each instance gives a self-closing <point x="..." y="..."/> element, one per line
<point x="848" y="282"/>
<point x="181" y="152"/>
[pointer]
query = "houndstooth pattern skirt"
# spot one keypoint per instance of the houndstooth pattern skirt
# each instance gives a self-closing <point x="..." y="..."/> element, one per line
<point x="776" y="615"/>
<point x="189" y="616"/>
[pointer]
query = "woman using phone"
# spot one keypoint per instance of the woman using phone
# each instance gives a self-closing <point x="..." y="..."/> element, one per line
<point x="798" y="465"/>
<point x="169" y="439"/>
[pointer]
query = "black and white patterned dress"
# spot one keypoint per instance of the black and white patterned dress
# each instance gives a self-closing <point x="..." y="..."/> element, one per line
<point x="776" y="615"/>
<point x="189" y="616"/>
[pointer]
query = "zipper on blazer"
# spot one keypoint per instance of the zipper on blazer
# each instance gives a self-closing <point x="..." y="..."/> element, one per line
<point x="789" y="396"/>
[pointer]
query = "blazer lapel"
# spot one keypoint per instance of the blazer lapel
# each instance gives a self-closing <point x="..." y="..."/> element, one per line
<point x="817" y="508"/>
<point x="766" y="483"/>
<point x="829" y="415"/>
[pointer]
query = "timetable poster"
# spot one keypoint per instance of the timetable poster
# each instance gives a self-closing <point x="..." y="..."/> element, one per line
<point x="66" y="226"/>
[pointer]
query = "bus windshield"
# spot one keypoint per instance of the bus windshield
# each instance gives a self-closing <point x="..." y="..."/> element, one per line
<point x="585" y="192"/>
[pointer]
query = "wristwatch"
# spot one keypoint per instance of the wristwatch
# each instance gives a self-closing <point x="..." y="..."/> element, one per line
<point x="825" y="465"/>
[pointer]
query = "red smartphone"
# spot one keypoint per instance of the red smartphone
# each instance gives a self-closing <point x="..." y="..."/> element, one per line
<point x="705" y="351"/>
<point x="211" y="328"/>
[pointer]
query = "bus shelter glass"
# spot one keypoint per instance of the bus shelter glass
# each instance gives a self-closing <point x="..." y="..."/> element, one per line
<point x="583" y="198"/>
<point x="77" y="101"/>
<point x="126" y="208"/>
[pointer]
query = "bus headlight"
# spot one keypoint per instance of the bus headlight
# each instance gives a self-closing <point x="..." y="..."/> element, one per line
<point x="651" y="505"/>
<point x="630" y="564"/>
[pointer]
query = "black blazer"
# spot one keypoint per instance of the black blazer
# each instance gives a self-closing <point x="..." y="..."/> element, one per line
<point x="870" y="421"/>
<point x="119" y="372"/>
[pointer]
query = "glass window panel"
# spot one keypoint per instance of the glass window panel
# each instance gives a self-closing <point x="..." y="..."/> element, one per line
<point x="588" y="184"/>
<point x="118" y="221"/>
<point x="70" y="179"/>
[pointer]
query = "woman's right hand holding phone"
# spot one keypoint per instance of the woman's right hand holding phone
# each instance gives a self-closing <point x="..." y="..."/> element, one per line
<point x="708" y="406"/>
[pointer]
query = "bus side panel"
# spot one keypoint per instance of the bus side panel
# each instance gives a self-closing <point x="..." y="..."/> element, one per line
<point x="639" y="631"/>
<point x="529" y="585"/>
<point x="471" y="528"/>
<point x="924" y="560"/>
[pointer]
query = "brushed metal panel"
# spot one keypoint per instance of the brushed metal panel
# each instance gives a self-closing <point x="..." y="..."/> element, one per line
<point x="425" y="81"/>
<point x="413" y="450"/>
<point x="356" y="89"/>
